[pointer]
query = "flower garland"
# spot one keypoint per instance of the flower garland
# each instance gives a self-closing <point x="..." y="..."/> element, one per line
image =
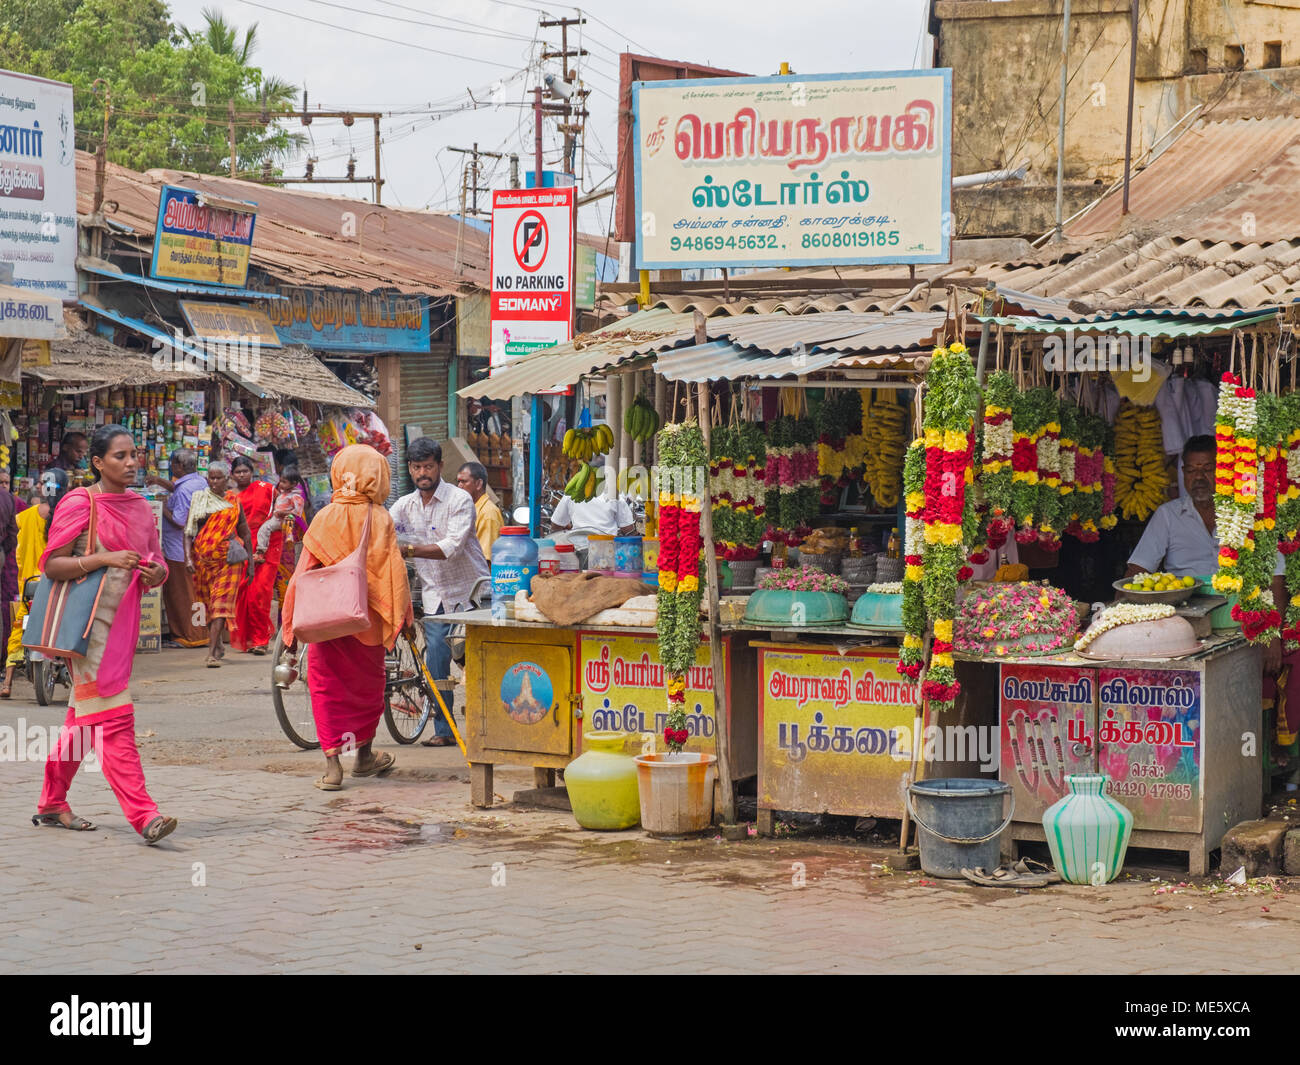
<point x="791" y="478"/>
<point x="1028" y="423"/>
<point x="911" y="658"/>
<point x="949" y="436"/>
<point x="885" y="588"/>
<point x="683" y="461"/>
<point x="996" y="469"/>
<point x="735" y="473"/>
<point x="1288" y="516"/>
<point x="1255" y="609"/>
<point x="841" y="447"/>
<point x="1235" y="480"/>
<point x="1050" y="505"/>
<point x="1123" y="614"/>
<point x="1089" y="469"/>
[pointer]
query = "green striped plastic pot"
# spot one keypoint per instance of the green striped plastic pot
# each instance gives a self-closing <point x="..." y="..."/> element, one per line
<point x="1088" y="831"/>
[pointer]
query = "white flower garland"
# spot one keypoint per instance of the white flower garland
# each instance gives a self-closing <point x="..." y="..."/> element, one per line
<point x="1123" y="614"/>
<point x="887" y="588"/>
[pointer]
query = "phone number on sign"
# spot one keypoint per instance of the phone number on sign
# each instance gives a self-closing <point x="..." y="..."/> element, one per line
<point x="722" y="243"/>
<point x="1141" y="789"/>
<point x="860" y="239"/>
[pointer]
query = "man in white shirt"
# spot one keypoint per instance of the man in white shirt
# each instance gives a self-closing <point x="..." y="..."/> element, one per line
<point x="601" y="514"/>
<point x="436" y="525"/>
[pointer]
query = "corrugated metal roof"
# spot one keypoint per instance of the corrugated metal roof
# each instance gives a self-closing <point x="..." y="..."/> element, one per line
<point x="274" y="373"/>
<point x="721" y="360"/>
<point x="108" y="270"/>
<point x="1140" y="326"/>
<point x="300" y="235"/>
<point x="565" y="364"/>
<point x="1212" y="177"/>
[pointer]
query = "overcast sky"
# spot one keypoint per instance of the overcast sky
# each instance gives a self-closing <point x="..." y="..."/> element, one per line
<point x="492" y="56"/>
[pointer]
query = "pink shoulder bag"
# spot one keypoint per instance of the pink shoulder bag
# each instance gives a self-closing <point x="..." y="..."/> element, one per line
<point x="330" y="602"/>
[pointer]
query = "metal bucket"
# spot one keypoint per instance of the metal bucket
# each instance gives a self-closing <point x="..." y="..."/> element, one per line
<point x="958" y="823"/>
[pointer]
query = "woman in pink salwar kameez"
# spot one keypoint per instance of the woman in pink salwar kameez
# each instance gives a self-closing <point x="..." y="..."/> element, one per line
<point x="101" y="714"/>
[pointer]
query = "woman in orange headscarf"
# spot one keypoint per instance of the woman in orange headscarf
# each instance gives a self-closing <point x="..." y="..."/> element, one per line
<point x="346" y="678"/>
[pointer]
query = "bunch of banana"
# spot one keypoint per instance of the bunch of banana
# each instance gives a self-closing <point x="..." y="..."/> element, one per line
<point x="582" y="485"/>
<point x="641" y="421"/>
<point x="588" y="443"/>
<point x="883" y="423"/>
<point x="1140" y="478"/>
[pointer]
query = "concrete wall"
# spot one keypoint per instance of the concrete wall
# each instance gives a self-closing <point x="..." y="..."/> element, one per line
<point x="1006" y="76"/>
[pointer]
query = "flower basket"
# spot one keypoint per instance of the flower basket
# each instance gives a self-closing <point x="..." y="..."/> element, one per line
<point x="780" y="608"/>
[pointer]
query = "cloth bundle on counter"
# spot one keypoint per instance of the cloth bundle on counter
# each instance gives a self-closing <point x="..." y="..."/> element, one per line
<point x="568" y="598"/>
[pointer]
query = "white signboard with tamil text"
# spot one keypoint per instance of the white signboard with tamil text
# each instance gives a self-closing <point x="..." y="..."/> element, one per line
<point x="799" y="170"/>
<point x="532" y="271"/>
<point x="38" y="186"/>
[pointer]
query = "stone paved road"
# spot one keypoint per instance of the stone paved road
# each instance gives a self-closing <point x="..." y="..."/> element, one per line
<point x="266" y="874"/>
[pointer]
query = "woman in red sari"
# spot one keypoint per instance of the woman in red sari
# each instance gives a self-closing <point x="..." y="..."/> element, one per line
<point x="346" y="678"/>
<point x="252" y="628"/>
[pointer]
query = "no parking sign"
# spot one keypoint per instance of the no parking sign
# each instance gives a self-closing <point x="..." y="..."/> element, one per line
<point x="532" y="271"/>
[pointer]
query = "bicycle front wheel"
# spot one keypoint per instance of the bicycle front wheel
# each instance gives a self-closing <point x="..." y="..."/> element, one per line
<point x="408" y="702"/>
<point x="293" y="704"/>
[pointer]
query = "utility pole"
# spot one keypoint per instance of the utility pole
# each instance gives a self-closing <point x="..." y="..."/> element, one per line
<point x="101" y="153"/>
<point x="1132" y="78"/>
<point x="567" y="127"/>
<point x="1060" y="138"/>
<point x="230" y="130"/>
<point x="475" y="171"/>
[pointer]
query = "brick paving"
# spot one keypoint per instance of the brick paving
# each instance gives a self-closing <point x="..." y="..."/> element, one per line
<point x="268" y="875"/>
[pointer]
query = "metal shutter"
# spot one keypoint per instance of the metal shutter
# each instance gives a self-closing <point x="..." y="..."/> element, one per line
<point x="423" y="402"/>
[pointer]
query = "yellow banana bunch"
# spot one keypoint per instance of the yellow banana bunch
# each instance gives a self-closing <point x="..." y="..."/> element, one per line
<point x="883" y="424"/>
<point x="1140" y="477"/>
<point x="641" y="421"/>
<point x="588" y="443"/>
<point x="582" y="485"/>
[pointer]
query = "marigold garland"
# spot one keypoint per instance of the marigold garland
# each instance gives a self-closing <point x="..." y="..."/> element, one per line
<point x="684" y="463"/>
<point x="1255" y="608"/>
<point x="949" y="439"/>
<point x="1236" y="476"/>
<point x="1029" y="422"/>
<point x="911" y="659"/>
<point x="1288" y="517"/>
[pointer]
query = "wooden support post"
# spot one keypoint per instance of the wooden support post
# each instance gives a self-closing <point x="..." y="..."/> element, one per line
<point x="614" y="418"/>
<point x="543" y="778"/>
<point x="480" y="784"/>
<point x="628" y="382"/>
<point x="716" y="655"/>
<point x="638" y="447"/>
<point x="661" y="405"/>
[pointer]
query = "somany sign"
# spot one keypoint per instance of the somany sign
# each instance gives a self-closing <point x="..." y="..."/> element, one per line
<point x="798" y="170"/>
<point x="532" y="270"/>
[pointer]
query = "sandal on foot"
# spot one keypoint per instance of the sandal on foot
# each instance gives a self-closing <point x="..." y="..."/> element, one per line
<point x="328" y="785"/>
<point x="78" y="824"/>
<point x="213" y="662"/>
<point x="6" y="692"/>
<point x="382" y="764"/>
<point x="158" y="828"/>
<point x="439" y="741"/>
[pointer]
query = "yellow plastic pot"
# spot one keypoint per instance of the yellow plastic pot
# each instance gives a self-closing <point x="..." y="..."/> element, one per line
<point x="602" y="783"/>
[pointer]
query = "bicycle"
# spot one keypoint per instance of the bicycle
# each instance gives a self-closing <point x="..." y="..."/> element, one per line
<point x="408" y="696"/>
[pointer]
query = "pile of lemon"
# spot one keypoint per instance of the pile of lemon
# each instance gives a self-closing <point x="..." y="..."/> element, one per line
<point x="1158" y="582"/>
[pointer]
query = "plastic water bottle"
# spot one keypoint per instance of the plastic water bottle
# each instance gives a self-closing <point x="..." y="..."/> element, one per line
<point x="514" y="564"/>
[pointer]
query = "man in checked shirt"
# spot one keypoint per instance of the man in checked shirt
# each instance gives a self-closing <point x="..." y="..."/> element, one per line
<point x="436" y="523"/>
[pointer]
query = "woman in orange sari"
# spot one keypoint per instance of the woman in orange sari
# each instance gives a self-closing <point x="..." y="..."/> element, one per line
<point x="346" y="678"/>
<point x="215" y="523"/>
<point x="252" y="630"/>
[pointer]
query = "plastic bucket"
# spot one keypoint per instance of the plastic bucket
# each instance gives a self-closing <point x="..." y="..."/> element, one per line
<point x="958" y="823"/>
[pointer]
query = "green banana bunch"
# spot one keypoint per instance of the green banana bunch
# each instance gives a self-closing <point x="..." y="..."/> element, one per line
<point x="641" y="421"/>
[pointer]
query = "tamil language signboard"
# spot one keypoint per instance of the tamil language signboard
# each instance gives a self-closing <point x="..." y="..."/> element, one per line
<point x="622" y="684"/>
<point x="196" y="240"/>
<point x="38" y="190"/>
<point x="807" y="170"/>
<point x="532" y="271"/>
<point x="1046" y="715"/>
<point x="228" y="321"/>
<point x="339" y="319"/>
<point x="835" y="731"/>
